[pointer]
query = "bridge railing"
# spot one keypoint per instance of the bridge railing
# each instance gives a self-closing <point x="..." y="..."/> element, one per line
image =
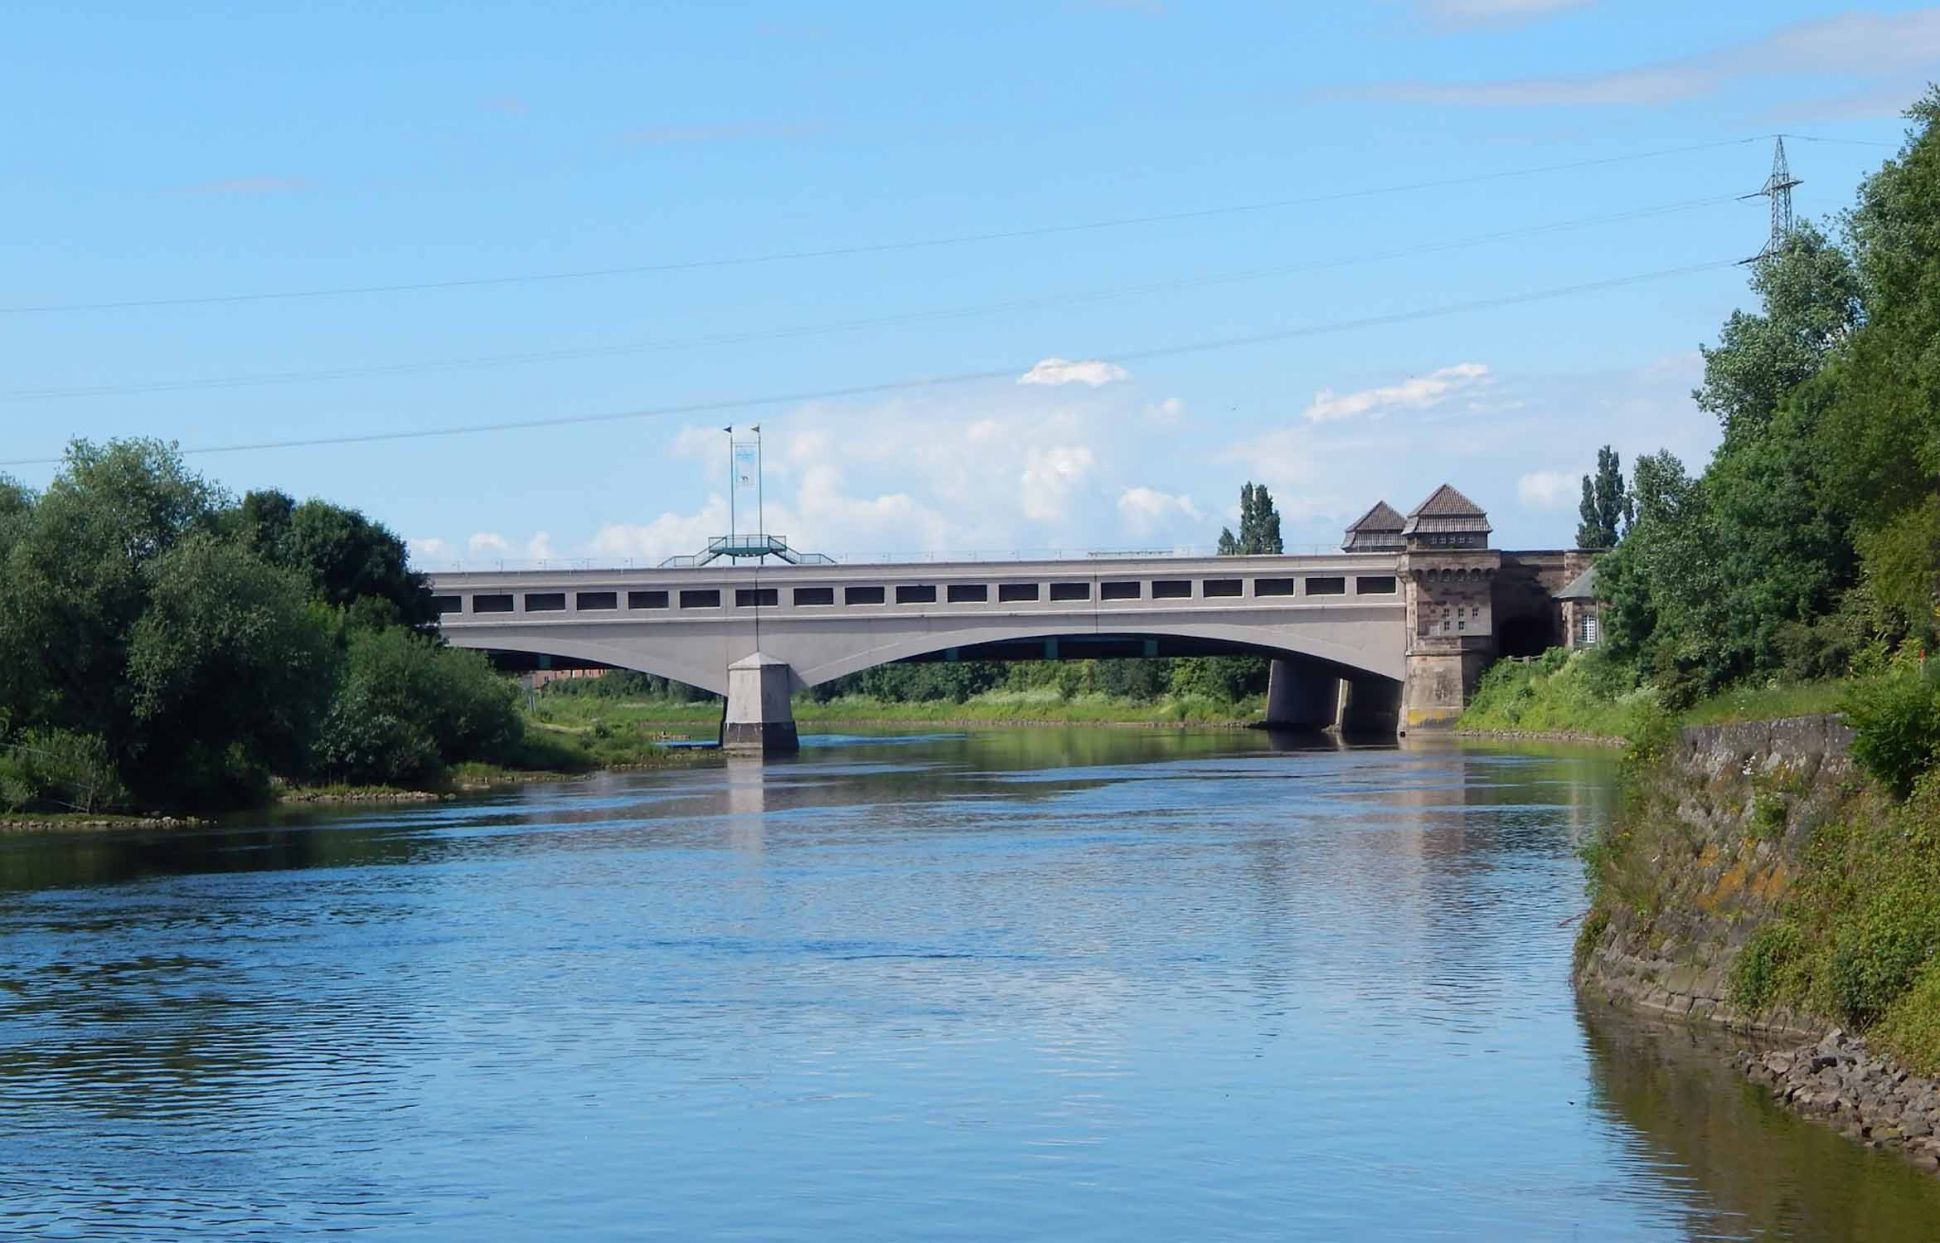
<point x="902" y="557"/>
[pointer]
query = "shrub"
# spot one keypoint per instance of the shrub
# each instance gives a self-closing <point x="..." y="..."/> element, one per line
<point x="55" y="770"/>
<point x="408" y="706"/>
<point x="1896" y="722"/>
<point x="1877" y="953"/>
<point x="1766" y="966"/>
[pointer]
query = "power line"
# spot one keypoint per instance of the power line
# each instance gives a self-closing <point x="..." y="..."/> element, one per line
<point x="910" y="385"/>
<point x="868" y="248"/>
<point x="260" y="379"/>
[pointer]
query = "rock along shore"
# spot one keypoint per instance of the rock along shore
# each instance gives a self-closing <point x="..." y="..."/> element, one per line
<point x="1867" y="1096"/>
<point x="1676" y="961"/>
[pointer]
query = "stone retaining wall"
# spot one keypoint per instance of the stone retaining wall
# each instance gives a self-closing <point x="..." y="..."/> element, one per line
<point x="1743" y="800"/>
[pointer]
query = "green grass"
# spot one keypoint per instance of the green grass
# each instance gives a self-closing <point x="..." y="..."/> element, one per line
<point x="578" y="716"/>
<point x="1039" y="704"/>
<point x="1767" y="703"/>
<point x="1557" y="693"/>
<point x="1580" y="693"/>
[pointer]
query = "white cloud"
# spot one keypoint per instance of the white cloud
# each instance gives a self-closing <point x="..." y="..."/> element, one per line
<point x="1548" y="489"/>
<point x="1049" y="477"/>
<point x="1492" y="12"/>
<point x="1056" y="371"/>
<point x="669" y="535"/>
<point x="1415" y="393"/>
<point x="488" y="544"/>
<point x="1171" y="410"/>
<point x="539" y="548"/>
<point x="1867" y="46"/>
<point x="1145" y="510"/>
<point x="428" y="549"/>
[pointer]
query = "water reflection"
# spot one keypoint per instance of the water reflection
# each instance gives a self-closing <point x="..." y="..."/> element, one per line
<point x="1749" y="1169"/>
<point x="1021" y="984"/>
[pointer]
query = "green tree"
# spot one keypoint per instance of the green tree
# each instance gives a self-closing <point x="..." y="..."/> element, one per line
<point x="407" y="706"/>
<point x="1810" y="303"/>
<point x="351" y="562"/>
<point x="1606" y="509"/>
<point x="1259" y="525"/>
<point x="229" y="668"/>
<point x="77" y="578"/>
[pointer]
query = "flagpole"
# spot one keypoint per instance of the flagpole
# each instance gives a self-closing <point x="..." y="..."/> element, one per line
<point x="729" y="429"/>
<point x="760" y="506"/>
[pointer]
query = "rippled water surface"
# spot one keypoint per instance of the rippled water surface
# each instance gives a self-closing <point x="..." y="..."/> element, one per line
<point x="1043" y="984"/>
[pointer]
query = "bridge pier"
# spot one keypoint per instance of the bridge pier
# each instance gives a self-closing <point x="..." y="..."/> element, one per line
<point x="759" y="718"/>
<point x="1300" y="696"/>
<point x="1370" y="707"/>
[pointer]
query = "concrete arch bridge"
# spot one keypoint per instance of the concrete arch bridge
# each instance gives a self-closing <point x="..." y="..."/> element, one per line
<point x="1388" y="634"/>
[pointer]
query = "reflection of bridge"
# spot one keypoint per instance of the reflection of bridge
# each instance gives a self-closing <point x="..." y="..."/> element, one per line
<point x="1391" y="631"/>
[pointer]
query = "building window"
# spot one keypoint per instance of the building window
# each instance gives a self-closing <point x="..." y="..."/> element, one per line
<point x="969" y="593"/>
<point x="1327" y="586"/>
<point x="701" y="598"/>
<point x="646" y="599"/>
<point x="1374" y="585"/>
<point x="1172" y="589"/>
<point x="1013" y="593"/>
<point x="1118" y="591"/>
<point x="920" y="593"/>
<point x="814" y="595"/>
<point x="1070" y="591"/>
<point x="862" y="595"/>
<point x="756" y="597"/>
<point x="587" y="600"/>
<point x="1272" y="586"/>
<point x="491" y="604"/>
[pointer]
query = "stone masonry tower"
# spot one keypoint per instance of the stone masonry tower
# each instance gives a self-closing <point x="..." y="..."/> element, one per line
<point x="1448" y="569"/>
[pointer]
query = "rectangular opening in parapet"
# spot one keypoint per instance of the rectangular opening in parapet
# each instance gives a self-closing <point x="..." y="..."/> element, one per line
<point x="969" y="593"/>
<point x="448" y="604"/>
<point x="545" y="601"/>
<point x="756" y="597"/>
<point x="1172" y="589"/>
<point x="1327" y="586"/>
<point x="701" y="598"/>
<point x="591" y="600"/>
<point x="1118" y="591"/>
<point x="862" y="595"/>
<point x="1220" y="587"/>
<point x="1011" y="593"/>
<point x="814" y="595"/>
<point x="1071" y="591"/>
<point x="491" y="604"/>
<point x="1272" y="586"/>
<point x="1374" y="585"/>
<point x="646" y="599"/>
<point x="919" y="593"/>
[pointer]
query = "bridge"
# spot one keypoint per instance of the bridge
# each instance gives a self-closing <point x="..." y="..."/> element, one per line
<point x="1387" y="635"/>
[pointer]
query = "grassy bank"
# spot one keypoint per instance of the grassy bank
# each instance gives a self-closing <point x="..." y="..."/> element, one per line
<point x="1579" y="694"/>
<point x="585" y="715"/>
<point x="1820" y="878"/>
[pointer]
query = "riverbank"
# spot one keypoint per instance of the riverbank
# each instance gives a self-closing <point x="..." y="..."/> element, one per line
<point x="1564" y="696"/>
<point x="992" y="709"/>
<point x="1755" y="880"/>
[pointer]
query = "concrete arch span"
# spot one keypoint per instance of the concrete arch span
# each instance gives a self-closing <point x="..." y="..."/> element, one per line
<point x="676" y="663"/>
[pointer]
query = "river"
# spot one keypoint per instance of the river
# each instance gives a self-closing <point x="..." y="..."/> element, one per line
<point x="1034" y="984"/>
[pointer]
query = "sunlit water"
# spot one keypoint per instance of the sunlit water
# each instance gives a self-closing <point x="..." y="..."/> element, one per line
<point x="1040" y="984"/>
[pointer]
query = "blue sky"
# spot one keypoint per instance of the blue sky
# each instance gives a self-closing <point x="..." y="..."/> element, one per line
<point x="166" y="153"/>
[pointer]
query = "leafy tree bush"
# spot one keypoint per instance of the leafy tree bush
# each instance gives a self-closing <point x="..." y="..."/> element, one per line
<point x="407" y="707"/>
<point x="54" y="770"/>
<point x="229" y="670"/>
<point x="1896" y="724"/>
